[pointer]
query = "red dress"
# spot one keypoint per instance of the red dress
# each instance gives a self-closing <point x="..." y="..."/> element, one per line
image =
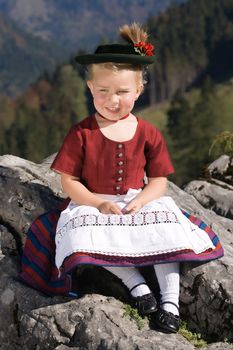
<point x="110" y="167"/>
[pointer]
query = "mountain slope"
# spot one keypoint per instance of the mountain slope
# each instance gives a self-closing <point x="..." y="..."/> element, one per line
<point x="50" y="31"/>
<point x="23" y="57"/>
<point x="79" y="24"/>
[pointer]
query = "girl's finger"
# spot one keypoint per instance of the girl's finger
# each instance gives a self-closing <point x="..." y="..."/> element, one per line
<point x="128" y="208"/>
<point x="116" y="210"/>
<point x="124" y="211"/>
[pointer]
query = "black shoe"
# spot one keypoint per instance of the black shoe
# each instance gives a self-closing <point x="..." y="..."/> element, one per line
<point x="146" y="304"/>
<point x="167" y="321"/>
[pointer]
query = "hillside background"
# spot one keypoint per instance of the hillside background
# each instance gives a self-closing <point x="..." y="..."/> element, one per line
<point x="35" y="35"/>
<point x="190" y="91"/>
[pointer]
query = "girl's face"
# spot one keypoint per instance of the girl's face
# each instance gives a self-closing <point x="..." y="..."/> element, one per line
<point x="114" y="92"/>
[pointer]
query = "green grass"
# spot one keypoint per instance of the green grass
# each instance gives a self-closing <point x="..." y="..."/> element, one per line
<point x="134" y="315"/>
<point x="193" y="338"/>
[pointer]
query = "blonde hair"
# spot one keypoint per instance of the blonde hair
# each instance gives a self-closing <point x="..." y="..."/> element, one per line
<point x="132" y="34"/>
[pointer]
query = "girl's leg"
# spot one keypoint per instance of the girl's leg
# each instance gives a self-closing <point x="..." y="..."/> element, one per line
<point x="132" y="278"/>
<point x="142" y="298"/>
<point x="169" y="282"/>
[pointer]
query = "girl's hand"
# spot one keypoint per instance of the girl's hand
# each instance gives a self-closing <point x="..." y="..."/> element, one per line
<point x="133" y="207"/>
<point x="109" y="208"/>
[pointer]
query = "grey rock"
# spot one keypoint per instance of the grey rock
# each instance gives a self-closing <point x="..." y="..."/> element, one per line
<point x="30" y="320"/>
<point x="207" y="290"/>
<point x="222" y="226"/>
<point x="221" y="169"/>
<point x="216" y="191"/>
<point x="219" y="346"/>
<point x="217" y="195"/>
<point x="7" y="242"/>
<point x="33" y="173"/>
<point x="9" y="337"/>
<point x="226" y="223"/>
<point x="26" y="190"/>
<point x="33" y="321"/>
<point x="92" y="322"/>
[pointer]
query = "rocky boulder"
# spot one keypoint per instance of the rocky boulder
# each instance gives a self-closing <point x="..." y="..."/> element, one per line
<point x="99" y="318"/>
<point x="215" y="191"/>
<point x="27" y="190"/>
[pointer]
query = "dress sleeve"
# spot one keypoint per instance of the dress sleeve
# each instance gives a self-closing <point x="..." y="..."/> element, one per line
<point x="158" y="161"/>
<point x="69" y="159"/>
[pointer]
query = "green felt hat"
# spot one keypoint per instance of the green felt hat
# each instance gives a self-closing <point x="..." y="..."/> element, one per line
<point x="136" y="54"/>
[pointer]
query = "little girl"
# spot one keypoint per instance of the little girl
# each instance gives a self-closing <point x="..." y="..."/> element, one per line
<point x="113" y="218"/>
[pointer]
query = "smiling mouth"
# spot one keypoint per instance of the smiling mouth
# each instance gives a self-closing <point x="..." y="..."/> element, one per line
<point x="113" y="110"/>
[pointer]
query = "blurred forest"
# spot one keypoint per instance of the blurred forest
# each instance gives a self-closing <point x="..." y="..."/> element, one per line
<point x="191" y="83"/>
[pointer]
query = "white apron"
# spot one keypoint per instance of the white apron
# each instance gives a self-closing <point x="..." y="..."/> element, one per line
<point x="158" y="228"/>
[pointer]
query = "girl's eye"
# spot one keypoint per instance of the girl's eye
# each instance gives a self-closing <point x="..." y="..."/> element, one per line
<point x="103" y="90"/>
<point x="123" y="91"/>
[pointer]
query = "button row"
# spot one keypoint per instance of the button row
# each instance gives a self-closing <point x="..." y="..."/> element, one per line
<point x="119" y="171"/>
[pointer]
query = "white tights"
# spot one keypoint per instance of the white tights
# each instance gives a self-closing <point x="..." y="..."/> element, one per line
<point x="168" y="278"/>
<point x="131" y="277"/>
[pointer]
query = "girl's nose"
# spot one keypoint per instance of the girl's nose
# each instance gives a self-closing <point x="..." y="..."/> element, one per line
<point x="114" y="99"/>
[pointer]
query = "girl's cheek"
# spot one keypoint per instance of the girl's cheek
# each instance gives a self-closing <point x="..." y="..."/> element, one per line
<point x="129" y="99"/>
<point x="99" y="98"/>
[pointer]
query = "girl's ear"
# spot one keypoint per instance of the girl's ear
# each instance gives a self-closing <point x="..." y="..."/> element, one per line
<point x="90" y="85"/>
<point x="139" y="91"/>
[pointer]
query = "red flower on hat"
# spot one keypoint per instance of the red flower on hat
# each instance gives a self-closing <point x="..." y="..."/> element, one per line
<point x="144" y="49"/>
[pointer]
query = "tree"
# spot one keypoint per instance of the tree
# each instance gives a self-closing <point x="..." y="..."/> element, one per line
<point x="45" y="113"/>
<point x="66" y="105"/>
<point x="179" y="124"/>
<point x="192" y="131"/>
<point x="222" y="144"/>
<point x="7" y="117"/>
<point x="192" y="40"/>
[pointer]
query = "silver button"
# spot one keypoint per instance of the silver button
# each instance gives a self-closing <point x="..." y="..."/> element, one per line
<point x="120" y="154"/>
<point x="118" y="188"/>
<point x="119" y="178"/>
<point x="120" y="171"/>
<point x="119" y="145"/>
<point x="120" y="163"/>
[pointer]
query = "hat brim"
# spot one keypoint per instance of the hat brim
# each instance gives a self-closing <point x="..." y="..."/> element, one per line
<point x="116" y="58"/>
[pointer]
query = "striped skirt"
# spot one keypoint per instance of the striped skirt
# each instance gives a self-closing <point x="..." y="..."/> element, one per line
<point x="54" y="246"/>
